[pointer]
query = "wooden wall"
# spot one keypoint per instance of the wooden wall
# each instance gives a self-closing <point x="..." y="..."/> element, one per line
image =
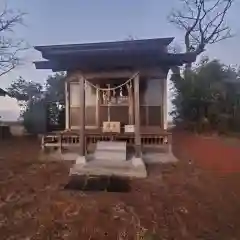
<point x="150" y="106"/>
<point x="117" y="113"/>
<point x="90" y="101"/>
<point x="90" y="116"/>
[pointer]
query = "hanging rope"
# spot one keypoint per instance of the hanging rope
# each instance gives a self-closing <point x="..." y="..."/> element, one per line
<point x="113" y="88"/>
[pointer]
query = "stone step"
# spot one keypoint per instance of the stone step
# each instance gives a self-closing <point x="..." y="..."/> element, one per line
<point x="110" y="155"/>
<point x="127" y="171"/>
<point x="109" y="164"/>
<point x="114" y="145"/>
<point x="111" y="151"/>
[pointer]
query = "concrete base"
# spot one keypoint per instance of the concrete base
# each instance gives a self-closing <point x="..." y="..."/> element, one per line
<point x="137" y="162"/>
<point x="132" y="168"/>
<point x="109" y="159"/>
<point x="81" y="160"/>
<point x="98" y="168"/>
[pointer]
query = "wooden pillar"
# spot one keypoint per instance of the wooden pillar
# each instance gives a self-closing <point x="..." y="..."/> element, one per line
<point x="137" y="118"/>
<point x="97" y="106"/>
<point x="67" y="105"/>
<point x="82" y="115"/>
<point x="164" y="104"/>
<point x="130" y="106"/>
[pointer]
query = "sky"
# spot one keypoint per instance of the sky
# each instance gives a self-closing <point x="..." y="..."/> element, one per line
<point x="79" y="21"/>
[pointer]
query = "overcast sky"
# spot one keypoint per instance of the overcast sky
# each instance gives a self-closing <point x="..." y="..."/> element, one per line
<point x="79" y="21"/>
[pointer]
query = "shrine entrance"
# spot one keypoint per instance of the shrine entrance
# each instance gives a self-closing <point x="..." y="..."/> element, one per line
<point x="115" y="100"/>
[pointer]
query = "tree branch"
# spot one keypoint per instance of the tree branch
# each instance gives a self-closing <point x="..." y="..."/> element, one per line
<point x="203" y="22"/>
<point x="228" y="5"/>
<point x="7" y="71"/>
<point x="9" y="47"/>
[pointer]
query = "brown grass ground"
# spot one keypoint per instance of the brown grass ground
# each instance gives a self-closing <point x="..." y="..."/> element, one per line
<point x="196" y="199"/>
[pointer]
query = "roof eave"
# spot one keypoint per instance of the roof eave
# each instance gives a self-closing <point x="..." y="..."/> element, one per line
<point x="3" y="92"/>
<point x="161" y="41"/>
<point x="44" y="65"/>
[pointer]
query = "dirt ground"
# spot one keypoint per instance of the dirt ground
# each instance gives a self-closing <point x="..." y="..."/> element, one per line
<point x="197" y="198"/>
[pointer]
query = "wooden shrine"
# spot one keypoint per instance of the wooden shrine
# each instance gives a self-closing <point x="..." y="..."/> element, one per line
<point x="115" y="91"/>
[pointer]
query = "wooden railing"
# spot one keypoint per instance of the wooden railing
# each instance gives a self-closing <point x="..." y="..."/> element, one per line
<point x="59" y="141"/>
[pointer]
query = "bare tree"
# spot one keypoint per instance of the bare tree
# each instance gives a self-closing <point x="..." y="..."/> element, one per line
<point x="9" y="45"/>
<point x="204" y="22"/>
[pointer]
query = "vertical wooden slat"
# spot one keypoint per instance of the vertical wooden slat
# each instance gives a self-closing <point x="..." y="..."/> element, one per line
<point x="130" y="105"/>
<point x="67" y="105"/>
<point x="164" y="104"/>
<point x="43" y="143"/>
<point x="60" y="143"/>
<point x="147" y="115"/>
<point x="82" y="115"/>
<point x="97" y="106"/>
<point x="137" y="117"/>
<point x="170" y="143"/>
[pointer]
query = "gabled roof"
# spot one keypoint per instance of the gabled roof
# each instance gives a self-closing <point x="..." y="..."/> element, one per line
<point x="110" y="55"/>
<point x="50" y="51"/>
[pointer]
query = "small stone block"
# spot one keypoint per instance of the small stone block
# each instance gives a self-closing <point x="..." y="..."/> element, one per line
<point x="137" y="162"/>
<point x="81" y="160"/>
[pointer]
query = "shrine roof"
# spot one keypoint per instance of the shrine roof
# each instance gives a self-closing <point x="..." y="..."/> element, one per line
<point x="2" y="92"/>
<point x="128" y="54"/>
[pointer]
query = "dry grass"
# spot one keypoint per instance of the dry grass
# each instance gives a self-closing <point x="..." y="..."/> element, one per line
<point x="178" y="201"/>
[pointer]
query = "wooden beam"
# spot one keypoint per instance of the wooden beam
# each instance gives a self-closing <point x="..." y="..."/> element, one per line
<point x="110" y="75"/>
<point x="67" y="106"/>
<point x="82" y="115"/>
<point x="137" y="118"/>
<point x="148" y="73"/>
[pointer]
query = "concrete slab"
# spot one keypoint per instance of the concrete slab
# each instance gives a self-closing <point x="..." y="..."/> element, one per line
<point x="131" y="172"/>
<point x="107" y="168"/>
